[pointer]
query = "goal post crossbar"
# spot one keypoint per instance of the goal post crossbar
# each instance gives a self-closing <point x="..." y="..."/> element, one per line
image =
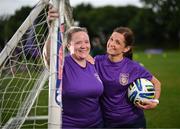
<point x="22" y="29"/>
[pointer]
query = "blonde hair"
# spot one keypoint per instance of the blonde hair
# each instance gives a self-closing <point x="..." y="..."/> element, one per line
<point x="72" y="30"/>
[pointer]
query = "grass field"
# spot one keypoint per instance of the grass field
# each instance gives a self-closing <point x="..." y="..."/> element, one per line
<point x="14" y="90"/>
<point x="166" y="67"/>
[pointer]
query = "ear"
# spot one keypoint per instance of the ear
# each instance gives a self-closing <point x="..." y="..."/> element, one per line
<point x="126" y="49"/>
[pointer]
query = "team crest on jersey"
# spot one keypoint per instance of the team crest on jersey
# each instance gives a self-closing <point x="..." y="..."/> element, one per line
<point x="123" y="78"/>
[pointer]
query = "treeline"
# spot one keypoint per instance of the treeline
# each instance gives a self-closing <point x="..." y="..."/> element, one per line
<point x="156" y="24"/>
<point x="9" y="24"/>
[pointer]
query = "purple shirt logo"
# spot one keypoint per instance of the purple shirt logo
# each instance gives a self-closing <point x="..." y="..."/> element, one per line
<point x="123" y="78"/>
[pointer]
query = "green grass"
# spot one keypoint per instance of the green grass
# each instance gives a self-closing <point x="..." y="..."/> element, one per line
<point x="17" y="90"/>
<point x="166" y="67"/>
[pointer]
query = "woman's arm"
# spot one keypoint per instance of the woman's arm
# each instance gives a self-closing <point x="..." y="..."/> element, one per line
<point x="157" y="86"/>
<point x="152" y="103"/>
<point x="52" y="15"/>
<point x="46" y="52"/>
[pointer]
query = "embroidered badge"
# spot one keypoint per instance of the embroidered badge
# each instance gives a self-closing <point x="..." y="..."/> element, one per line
<point x="123" y="78"/>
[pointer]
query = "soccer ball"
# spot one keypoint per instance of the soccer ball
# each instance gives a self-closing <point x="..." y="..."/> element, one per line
<point x="141" y="89"/>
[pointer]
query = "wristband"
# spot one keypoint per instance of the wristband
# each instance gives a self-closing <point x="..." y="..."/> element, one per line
<point x="155" y="101"/>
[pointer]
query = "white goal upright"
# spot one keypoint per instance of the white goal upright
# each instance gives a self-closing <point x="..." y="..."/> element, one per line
<point x="25" y="97"/>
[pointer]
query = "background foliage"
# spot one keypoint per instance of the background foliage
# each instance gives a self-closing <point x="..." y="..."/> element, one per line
<point x="156" y="24"/>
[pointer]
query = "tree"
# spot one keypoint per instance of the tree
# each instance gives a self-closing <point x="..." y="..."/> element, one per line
<point x="168" y="18"/>
<point x="15" y="21"/>
<point x="103" y="19"/>
<point x="3" y="21"/>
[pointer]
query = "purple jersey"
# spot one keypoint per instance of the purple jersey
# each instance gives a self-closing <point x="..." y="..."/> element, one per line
<point x="116" y="77"/>
<point x="82" y="88"/>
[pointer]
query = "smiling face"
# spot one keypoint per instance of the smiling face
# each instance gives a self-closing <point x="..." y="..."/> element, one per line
<point x="116" y="45"/>
<point x="79" y="46"/>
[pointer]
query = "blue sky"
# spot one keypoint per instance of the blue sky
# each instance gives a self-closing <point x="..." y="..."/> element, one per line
<point x="9" y="6"/>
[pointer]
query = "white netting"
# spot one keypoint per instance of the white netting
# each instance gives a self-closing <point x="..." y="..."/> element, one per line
<point x="23" y="76"/>
<point x="23" y="86"/>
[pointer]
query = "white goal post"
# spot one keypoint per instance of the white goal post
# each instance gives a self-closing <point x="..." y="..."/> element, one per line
<point x="22" y="73"/>
<point x="24" y="89"/>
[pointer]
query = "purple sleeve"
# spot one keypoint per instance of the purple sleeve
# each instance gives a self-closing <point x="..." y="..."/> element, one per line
<point x="142" y="72"/>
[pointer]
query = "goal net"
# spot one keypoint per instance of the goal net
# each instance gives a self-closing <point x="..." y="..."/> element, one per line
<point x="24" y="89"/>
<point x="23" y="77"/>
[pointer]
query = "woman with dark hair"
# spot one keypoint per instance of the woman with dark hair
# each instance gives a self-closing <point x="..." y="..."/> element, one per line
<point x="117" y="72"/>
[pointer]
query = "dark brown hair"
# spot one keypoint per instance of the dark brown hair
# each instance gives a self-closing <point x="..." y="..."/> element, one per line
<point x="129" y="39"/>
